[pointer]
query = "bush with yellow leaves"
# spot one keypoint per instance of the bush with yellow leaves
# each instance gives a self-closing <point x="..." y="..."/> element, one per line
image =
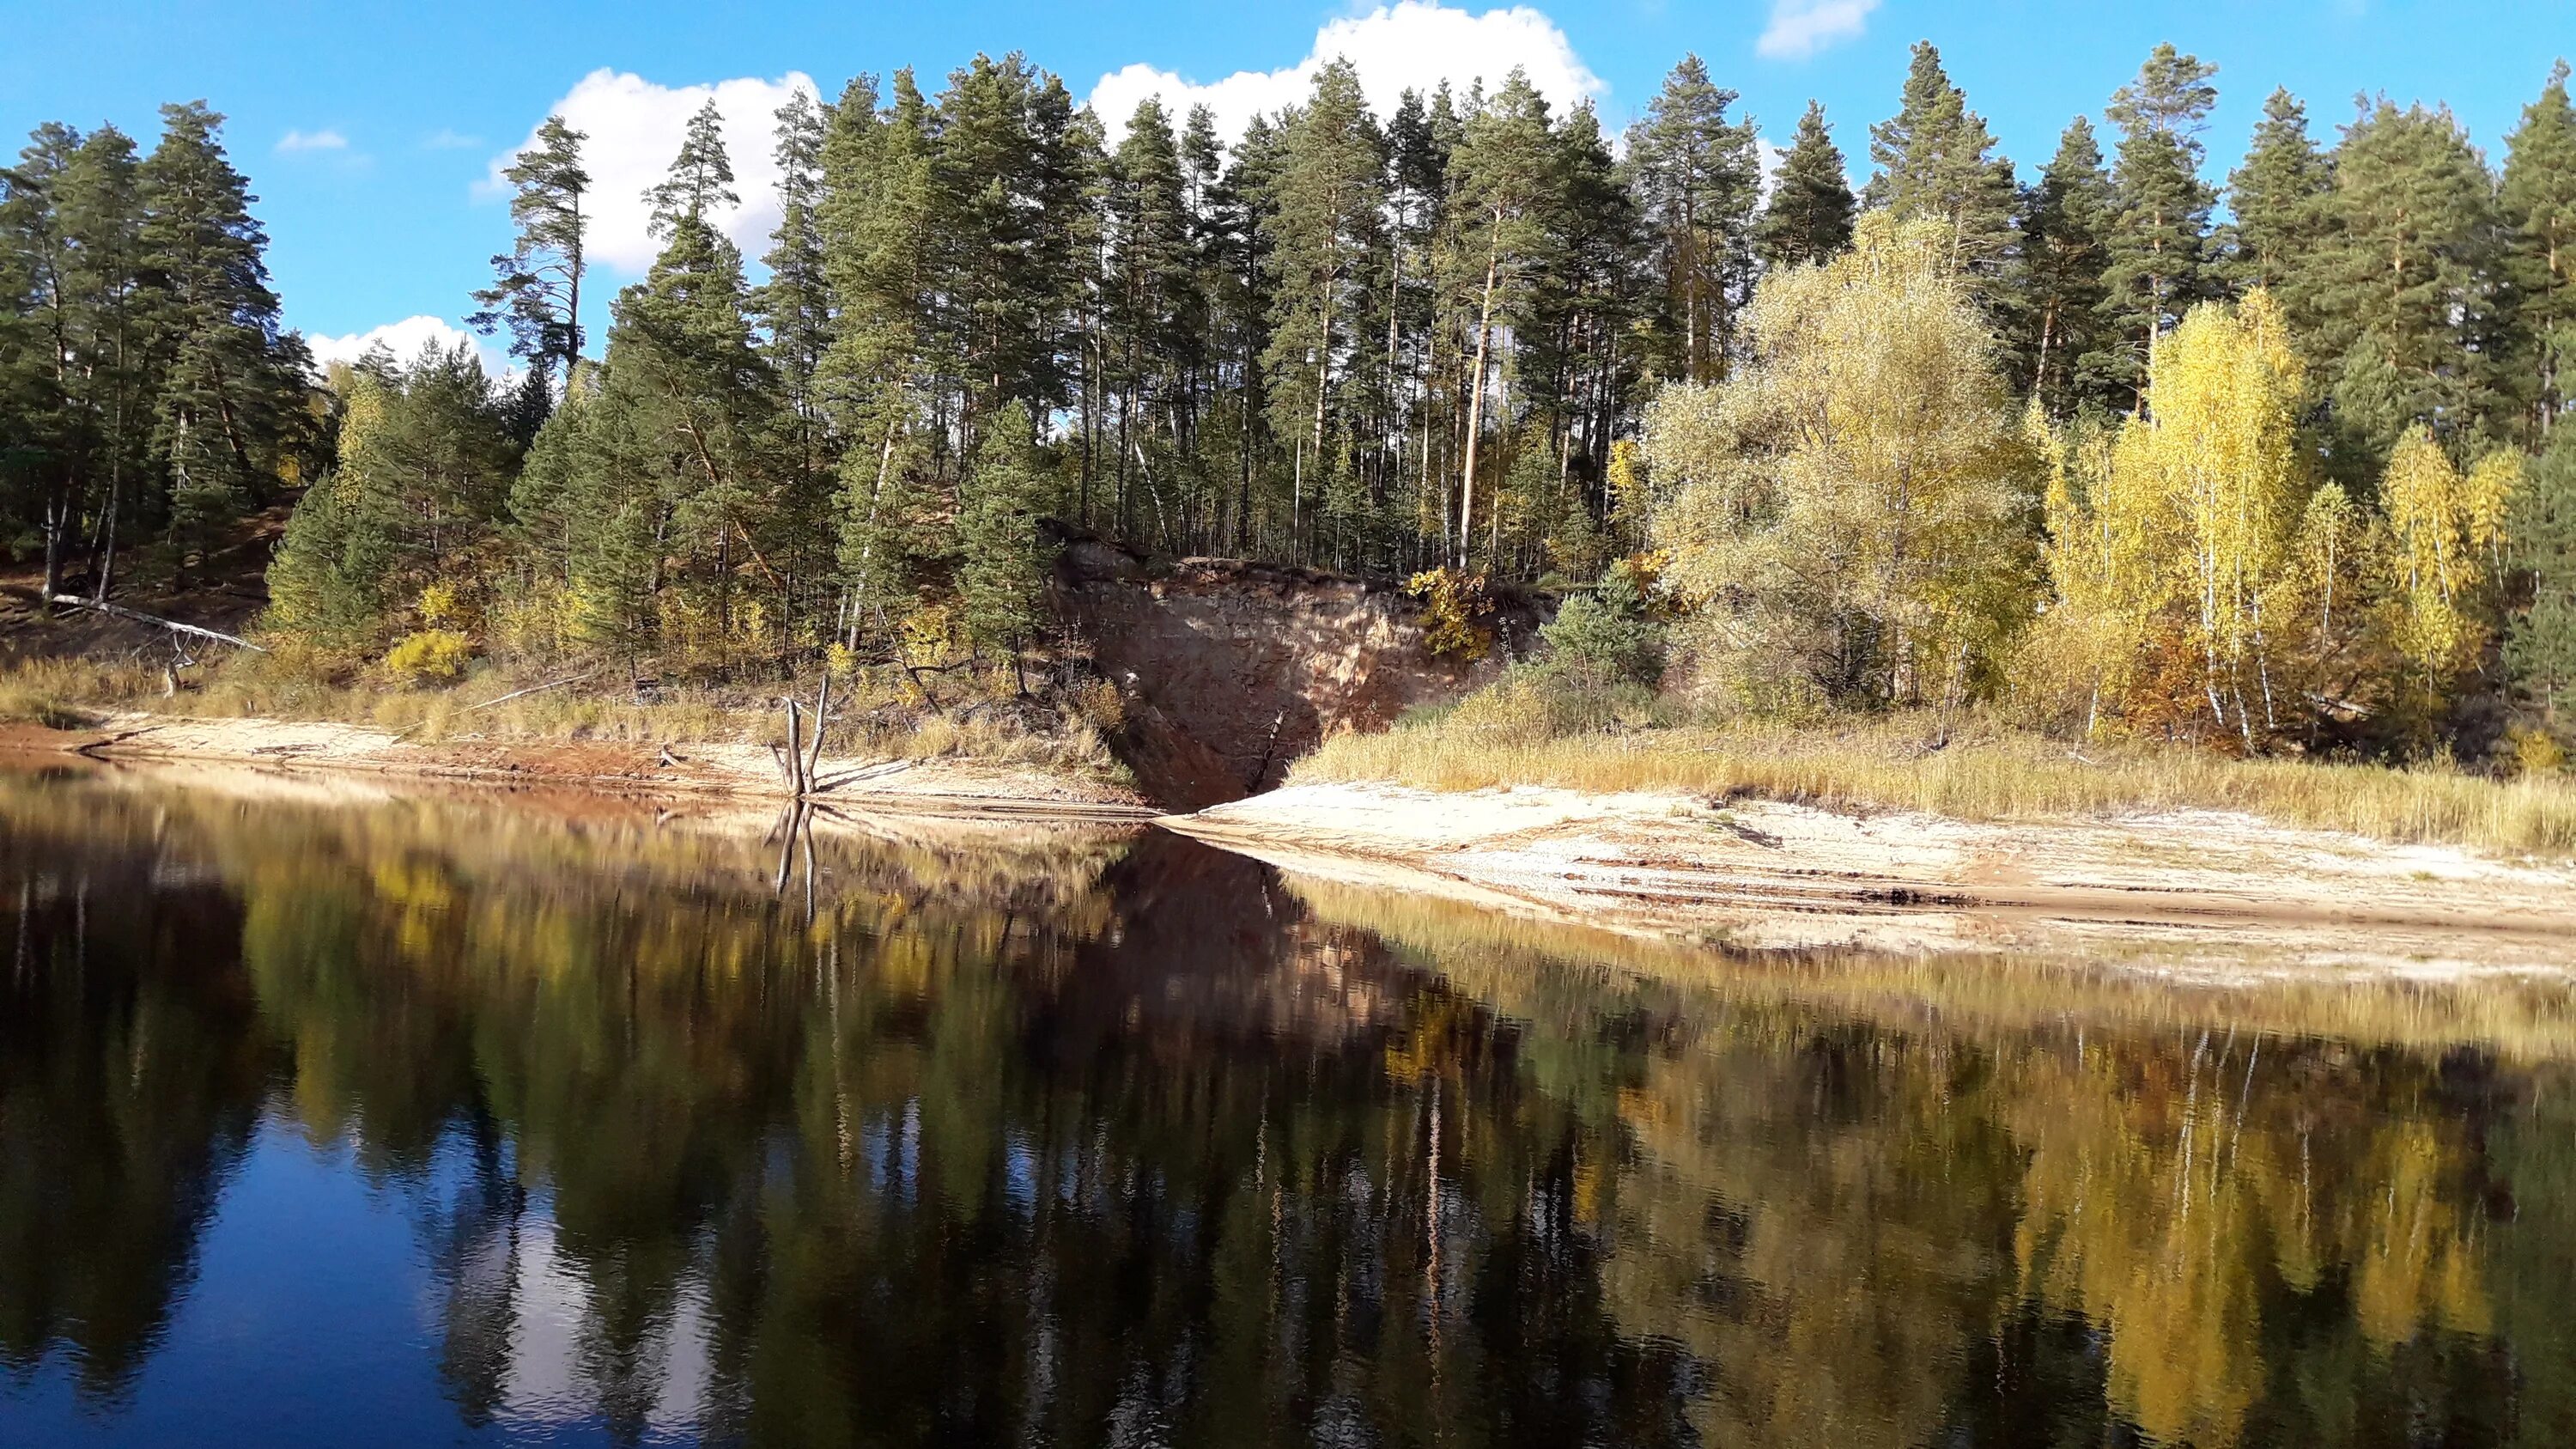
<point x="1457" y="611"/>
<point x="429" y="656"/>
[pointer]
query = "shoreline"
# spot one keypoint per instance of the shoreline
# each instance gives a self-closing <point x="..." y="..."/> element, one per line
<point x="642" y="771"/>
<point x="1769" y="875"/>
<point x="1747" y="873"/>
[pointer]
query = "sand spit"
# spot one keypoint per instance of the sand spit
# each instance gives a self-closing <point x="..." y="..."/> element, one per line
<point x="950" y="787"/>
<point x="1762" y="874"/>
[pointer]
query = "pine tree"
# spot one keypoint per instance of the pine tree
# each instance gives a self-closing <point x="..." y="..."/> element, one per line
<point x="882" y="257"/>
<point x="1001" y="578"/>
<point x="1576" y="368"/>
<point x="2058" y="279"/>
<point x="2538" y="200"/>
<point x="327" y="581"/>
<point x="536" y="288"/>
<point x="700" y="179"/>
<point x="1151" y="281"/>
<point x="1504" y="189"/>
<point x="1072" y="178"/>
<point x="2280" y="197"/>
<point x="794" y="308"/>
<point x="1935" y="161"/>
<point x="2540" y="648"/>
<point x="1226" y="206"/>
<point x="231" y="409"/>
<point x="1003" y="263"/>
<point x="2158" y="240"/>
<point x="1324" y="206"/>
<point x="614" y="503"/>
<point x="795" y="304"/>
<point x="1698" y="179"/>
<point x="1809" y="218"/>
<point x="43" y="437"/>
<point x="422" y="476"/>
<point x="2406" y="302"/>
<point x="682" y="371"/>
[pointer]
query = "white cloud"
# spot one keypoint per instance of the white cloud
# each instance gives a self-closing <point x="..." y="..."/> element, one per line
<point x="1411" y="45"/>
<point x="324" y="140"/>
<point x="406" y="339"/>
<point x="634" y="128"/>
<point x="447" y="138"/>
<point x="1800" y="28"/>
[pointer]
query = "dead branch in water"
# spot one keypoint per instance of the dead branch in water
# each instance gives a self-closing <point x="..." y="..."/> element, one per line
<point x="822" y="717"/>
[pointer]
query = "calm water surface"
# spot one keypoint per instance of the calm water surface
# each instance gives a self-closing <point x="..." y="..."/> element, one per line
<point x="452" y="1121"/>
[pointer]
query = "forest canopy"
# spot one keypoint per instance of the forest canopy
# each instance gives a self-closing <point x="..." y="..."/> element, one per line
<point x="2275" y="464"/>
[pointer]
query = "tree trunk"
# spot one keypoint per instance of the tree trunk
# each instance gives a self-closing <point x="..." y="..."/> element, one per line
<point x="57" y="516"/>
<point x="1476" y="394"/>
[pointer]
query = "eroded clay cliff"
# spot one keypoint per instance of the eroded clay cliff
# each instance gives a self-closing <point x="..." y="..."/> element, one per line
<point x="1231" y="670"/>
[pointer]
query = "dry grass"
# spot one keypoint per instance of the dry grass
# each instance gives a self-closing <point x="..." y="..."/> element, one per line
<point x="1983" y="772"/>
<point x="871" y="718"/>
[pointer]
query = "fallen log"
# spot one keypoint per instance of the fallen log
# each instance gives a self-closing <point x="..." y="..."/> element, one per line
<point x="138" y="616"/>
<point x="531" y="689"/>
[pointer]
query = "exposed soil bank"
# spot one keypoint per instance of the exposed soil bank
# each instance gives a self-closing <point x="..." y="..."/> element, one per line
<point x="1763" y="874"/>
<point x="1230" y="670"/>
<point x="647" y="770"/>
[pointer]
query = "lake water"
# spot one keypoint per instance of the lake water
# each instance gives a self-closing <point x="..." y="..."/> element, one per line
<point x="431" y="1121"/>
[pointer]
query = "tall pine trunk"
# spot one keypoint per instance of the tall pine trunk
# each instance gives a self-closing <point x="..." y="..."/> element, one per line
<point x="1476" y="394"/>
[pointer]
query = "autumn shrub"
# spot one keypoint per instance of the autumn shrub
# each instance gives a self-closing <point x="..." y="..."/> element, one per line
<point x="2536" y="753"/>
<point x="429" y="656"/>
<point x="1457" y="613"/>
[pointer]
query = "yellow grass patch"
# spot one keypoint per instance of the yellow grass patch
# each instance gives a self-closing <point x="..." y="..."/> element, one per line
<point x="1981" y="772"/>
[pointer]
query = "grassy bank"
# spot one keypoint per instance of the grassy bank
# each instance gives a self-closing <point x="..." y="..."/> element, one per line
<point x="1973" y="771"/>
<point x="872" y="716"/>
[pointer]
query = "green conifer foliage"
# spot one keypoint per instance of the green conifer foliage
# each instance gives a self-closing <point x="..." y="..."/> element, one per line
<point x="2280" y="196"/>
<point x="1001" y="579"/>
<point x="1936" y="161"/>
<point x="2059" y="284"/>
<point x="2540" y="644"/>
<point x="1325" y="203"/>
<point x="2158" y="241"/>
<point x="1809" y="218"/>
<point x="1698" y="180"/>
<point x="792" y="520"/>
<point x="2538" y="198"/>
<point x="536" y="286"/>
<point x="2406" y="301"/>
<point x="1150" y="313"/>
<point x="230" y="419"/>
<point x="1504" y="189"/>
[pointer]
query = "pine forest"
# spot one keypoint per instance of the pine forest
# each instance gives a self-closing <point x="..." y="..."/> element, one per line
<point x="2109" y="444"/>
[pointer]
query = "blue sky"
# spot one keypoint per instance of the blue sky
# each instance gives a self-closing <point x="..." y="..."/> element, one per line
<point x="369" y="131"/>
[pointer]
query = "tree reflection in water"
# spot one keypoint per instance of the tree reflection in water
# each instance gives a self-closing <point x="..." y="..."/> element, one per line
<point x="1047" y="1136"/>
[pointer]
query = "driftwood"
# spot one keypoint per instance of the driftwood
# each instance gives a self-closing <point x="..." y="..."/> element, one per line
<point x="822" y="717"/>
<point x="531" y="689"/>
<point x="138" y="616"/>
<point x="795" y="748"/>
<point x="801" y="761"/>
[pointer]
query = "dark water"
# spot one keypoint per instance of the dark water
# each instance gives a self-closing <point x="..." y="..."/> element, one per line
<point x="433" y="1122"/>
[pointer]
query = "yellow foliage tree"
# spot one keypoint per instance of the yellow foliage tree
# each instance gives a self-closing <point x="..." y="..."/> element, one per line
<point x="2448" y="531"/>
<point x="2170" y="543"/>
<point x="1849" y="502"/>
